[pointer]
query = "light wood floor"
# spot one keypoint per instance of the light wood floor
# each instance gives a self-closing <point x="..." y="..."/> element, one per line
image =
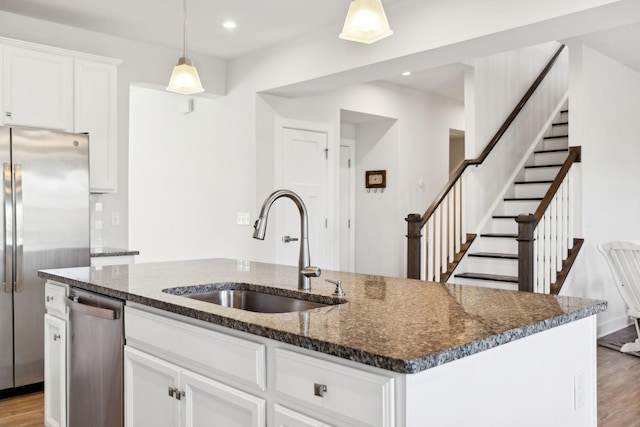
<point x="618" y="392"/>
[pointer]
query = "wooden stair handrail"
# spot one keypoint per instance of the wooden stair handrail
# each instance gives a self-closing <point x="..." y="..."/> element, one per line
<point x="494" y="141"/>
<point x="527" y="224"/>
<point x="575" y="155"/>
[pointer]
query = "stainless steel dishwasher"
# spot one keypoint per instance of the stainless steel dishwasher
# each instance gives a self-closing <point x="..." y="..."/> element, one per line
<point x="95" y="385"/>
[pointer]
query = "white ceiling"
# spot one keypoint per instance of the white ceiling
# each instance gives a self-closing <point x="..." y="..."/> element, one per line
<point x="261" y="23"/>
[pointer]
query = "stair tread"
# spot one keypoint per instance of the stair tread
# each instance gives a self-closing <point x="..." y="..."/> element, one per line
<point x="500" y="235"/>
<point x="522" y="199"/>
<point x="542" y="166"/>
<point x="556" y="137"/>
<point x="484" y="276"/>
<point x="564" y="111"/>
<point x="560" y="124"/>
<point x="559" y="150"/>
<point x="533" y="182"/>
<point x="494" y="255"/>
<point x="505" y="216"/>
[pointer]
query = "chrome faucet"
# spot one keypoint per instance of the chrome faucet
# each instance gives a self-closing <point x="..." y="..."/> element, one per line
<point x="305" y="271"/>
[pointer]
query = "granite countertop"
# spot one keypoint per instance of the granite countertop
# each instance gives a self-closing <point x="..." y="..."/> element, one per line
<point x="400" y="325"/>
<point x="104" y="251"/>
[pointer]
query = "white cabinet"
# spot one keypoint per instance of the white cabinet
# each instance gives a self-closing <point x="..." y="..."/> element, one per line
<point x="95" y="107"/>
<point x="160" y="393"/>
<point x="283" y="417"/>
<point x="55" y="371"/>
<point x="37" y="89"/>
<point x="51" y="88"/>
<point x="55" y="355"/>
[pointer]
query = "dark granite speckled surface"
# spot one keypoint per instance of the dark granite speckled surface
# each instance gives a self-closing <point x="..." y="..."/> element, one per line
<point x="105" y="251"/>
<point x="396" y="324"/>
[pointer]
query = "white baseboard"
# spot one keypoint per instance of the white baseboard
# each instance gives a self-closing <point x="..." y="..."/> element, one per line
<point x="613" y="325"/>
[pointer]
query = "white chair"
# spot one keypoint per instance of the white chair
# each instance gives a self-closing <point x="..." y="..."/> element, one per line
<point x="624" y="260"/>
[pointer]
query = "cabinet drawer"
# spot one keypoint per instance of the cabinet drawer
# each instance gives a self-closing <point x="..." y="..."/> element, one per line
<point x="361" y="397"/>
<point x="54" y="299"/>
<point x="202" y="350"/>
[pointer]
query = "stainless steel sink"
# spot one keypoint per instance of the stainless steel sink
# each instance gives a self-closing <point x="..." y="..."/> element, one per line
<point x="240" y="297"/>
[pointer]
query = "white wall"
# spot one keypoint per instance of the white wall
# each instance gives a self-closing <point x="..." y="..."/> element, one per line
<point x="181" y="183"/>
<point x="604" y="95"/>
<point x="499" y="83"/>
<point x="408" y="137"/>
<point x="143" y="63"/>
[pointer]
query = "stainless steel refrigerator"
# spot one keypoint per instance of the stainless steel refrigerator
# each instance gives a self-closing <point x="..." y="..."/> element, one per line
<point x="45" y="216"/>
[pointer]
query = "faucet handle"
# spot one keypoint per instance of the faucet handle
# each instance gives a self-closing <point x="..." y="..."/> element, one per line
<point x="311" y="271"/>
<point x="338" y="292"/>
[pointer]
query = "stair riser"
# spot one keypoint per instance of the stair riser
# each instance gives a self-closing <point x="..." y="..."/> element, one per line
<point x="502" y="267"/>
<point x="531" y="190"/>
<point x="550" y="158"/>
<point x="495" y="245"/>
<point x="506" y="225"/>
<point x="554" y="144"/>
<point x="509" y="207"/>
<point x="541" y="174"/>
<point x="484" y="283"/>
<point x="557" y="130"/>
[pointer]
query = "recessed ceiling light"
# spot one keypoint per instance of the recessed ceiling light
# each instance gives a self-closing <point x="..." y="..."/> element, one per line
<point x="229" y="25"/>
<point x="406" y="73"/>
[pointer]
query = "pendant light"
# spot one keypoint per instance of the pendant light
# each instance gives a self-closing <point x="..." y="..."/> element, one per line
<point x="366" y="22"/>
<point x="184" y="78"/>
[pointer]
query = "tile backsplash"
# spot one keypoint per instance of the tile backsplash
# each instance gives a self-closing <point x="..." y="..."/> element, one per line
<point x="95" y="218"/>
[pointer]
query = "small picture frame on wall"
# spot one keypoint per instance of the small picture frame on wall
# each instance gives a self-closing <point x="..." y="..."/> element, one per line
<point x="375" y="180"/>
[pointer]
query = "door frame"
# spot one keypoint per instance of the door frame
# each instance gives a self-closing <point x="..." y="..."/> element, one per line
<point x="351" y="144"/>
<point x="333" y="164"/>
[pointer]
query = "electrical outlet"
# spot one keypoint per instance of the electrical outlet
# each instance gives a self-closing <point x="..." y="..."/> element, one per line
<point x="115" y="219"/>
<point x="244" y="218"/>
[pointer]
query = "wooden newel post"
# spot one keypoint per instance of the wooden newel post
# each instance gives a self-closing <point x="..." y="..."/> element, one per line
<point x="526" y="228"/>
<point x="413" y="245"/>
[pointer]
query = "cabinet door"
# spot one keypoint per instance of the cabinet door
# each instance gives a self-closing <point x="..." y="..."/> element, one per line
<point x="210" y="403"/>
<point x="147" y="382"/>
<point x="55" y="371"/>
<point x="37" y="89"/>
<point x="284" y="417"/>
<point x="95" y="113"/>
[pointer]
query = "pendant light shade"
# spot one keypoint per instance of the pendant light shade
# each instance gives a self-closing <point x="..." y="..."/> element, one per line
<point x="366" y="22"/>
<point x="185" y="78"/>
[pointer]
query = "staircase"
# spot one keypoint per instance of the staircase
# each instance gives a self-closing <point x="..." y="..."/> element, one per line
<point x="492" y="258"/>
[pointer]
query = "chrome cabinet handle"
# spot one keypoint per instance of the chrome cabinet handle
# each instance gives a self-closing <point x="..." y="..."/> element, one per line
<point x="287" y="239"/>
<point x="8" y="114"/>
<point x="319" y="389"/>
<point x="8" y="226"/>
<point x="176" y="393"/>
<point x="56" y="337"/>
<point x="49" y="298"/>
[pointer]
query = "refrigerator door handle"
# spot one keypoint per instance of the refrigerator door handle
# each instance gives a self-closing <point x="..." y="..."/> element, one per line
<point x="104" y="313"/>
<point x="17" y="173"/>
<point x="8" y="226"/>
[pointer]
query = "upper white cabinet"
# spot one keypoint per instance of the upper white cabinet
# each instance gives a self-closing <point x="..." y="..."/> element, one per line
<point x="37" y="89"/>
<point x="59" y="89"/>
<point x="95" y="113"/>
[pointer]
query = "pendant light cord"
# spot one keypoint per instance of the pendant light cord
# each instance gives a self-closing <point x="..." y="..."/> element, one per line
<point x="184" y="29"/>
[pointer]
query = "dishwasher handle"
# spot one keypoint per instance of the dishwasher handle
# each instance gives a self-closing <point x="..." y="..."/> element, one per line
<point x="103" y="313"/>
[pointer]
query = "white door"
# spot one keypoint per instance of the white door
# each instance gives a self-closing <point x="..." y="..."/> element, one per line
<point x="210" y="403"/>
<point x="284" y="417"/>
<point x="147" y="381"/>
<point x="38" y="89"/>
<point x="347" y="205"/>
<point x="55" y="371"/>
<point x="303" y="169"/>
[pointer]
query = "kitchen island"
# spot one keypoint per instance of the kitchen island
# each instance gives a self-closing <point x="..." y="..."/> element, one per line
<point x="400" y="351"/>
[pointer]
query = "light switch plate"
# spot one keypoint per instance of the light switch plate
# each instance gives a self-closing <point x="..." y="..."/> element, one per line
<point x="244" y="218"/>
